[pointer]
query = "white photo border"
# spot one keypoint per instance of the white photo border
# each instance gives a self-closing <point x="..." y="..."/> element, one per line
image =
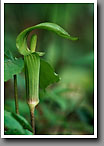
<point x="95" y="69"/>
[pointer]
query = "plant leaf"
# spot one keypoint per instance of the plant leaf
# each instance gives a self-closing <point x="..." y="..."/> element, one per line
<point x="27" y="132"/>
<point x="22" y="37"/>
<point x="22" y="121"/>
<point x="47" y="74"/>
<point x="14" y="132"/>
<point x="12" y="124"/>
<point x="12" y="66"/>
<point x="8" y="55"/>
<point x="16" y="124"/>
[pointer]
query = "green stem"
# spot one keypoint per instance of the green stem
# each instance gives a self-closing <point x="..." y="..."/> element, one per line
<point x="15" y="94"/>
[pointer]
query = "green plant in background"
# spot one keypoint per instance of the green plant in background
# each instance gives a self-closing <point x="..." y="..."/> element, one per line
<point x="37" y="71"/>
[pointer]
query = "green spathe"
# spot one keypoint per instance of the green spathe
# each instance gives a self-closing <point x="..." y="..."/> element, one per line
<point x="22" y="37"/>
<point x="32" y="68"/>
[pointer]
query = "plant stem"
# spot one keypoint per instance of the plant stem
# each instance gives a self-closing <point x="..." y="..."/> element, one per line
<point x="32" y="118"/>
<point x="15" y="94"/>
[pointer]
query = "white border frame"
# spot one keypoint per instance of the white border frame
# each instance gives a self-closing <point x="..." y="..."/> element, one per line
<point x="95" y="69"/>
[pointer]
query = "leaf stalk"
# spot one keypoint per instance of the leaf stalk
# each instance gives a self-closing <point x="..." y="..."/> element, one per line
<point x="15" y="94"/>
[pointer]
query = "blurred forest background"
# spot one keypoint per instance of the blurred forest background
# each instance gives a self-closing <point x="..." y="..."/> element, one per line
<point x="65" y="107"/>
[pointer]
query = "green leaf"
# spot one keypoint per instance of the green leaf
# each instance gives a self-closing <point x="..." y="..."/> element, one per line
<point x="12" y="66"/>
<point x="27" y="132"/>
<point x="15" y="124"/>
<point x="8" y="55"/>
<point x="22" y="37"/>
<point x="13" y="132"/>
<point x="22" y="121"/>
<point x="16" y="132"/>
<point x="12" y="124"/>
<point x="47" y="74"/>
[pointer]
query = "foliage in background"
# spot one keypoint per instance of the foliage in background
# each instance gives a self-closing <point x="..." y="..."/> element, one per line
<point x="66" y="108"/>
